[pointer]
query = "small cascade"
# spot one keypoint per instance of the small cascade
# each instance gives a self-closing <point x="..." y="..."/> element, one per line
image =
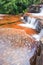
<point x="31" y="23"/>
<point x="28" y="22"/>
<point x="39" y="14"/>
<point x="38" y="36"/>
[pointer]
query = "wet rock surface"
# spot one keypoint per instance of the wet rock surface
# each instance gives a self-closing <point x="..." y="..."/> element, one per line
<point x="14" y="47"/>
<point x="8" y="52"/>
<point x="40" y="58"/>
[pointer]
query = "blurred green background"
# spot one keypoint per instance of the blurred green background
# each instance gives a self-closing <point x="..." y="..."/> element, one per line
<point x="16" y="6"/>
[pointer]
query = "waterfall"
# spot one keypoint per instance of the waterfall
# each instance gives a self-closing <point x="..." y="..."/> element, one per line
<point x="30" y="23"/>
<point x="38" y="36"/>
<point x="39" y="14"/>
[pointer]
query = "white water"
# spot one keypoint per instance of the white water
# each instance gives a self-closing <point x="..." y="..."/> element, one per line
<point x="39" y="14"/>
<point x="31" y="23"/>
<point x="38" y="36"/>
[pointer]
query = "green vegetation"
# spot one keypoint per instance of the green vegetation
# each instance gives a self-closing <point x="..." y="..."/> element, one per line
<point x="15" y="6"/>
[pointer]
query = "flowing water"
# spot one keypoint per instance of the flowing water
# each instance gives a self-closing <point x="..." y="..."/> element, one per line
<point x="39" y="14"/>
